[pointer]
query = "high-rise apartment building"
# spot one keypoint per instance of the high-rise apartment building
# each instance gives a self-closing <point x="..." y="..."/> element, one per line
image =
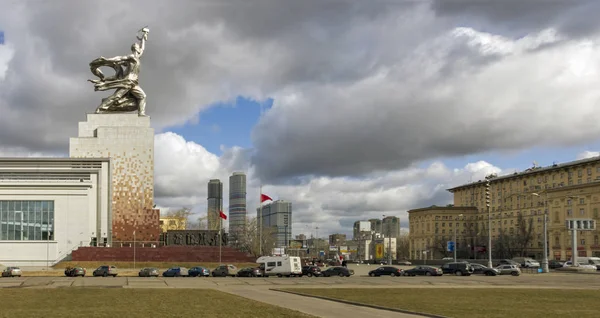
<point x="518" y="205"/>
<point x="237" y="204"/>
<point x="215" y="203"/>
<point x="390" y="226"/>
<point x="376" y="225"/>
<point x="278" y="216"/>
<point x="337" y="239"/>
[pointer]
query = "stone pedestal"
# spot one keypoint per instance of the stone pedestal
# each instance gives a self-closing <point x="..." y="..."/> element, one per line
<point x="128" y="140"/>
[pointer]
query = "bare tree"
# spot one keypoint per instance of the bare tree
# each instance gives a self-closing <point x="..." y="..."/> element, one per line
<point x="505" y="246"/>
<point x="524" y="234"/>
<point x="248" y="240"/>
<point x="402" y="246"/>
<point x="183" y="212"/>
<point x="179" y="218"/>
<point x="440" y="245"/>
<point x="199" y="223"/>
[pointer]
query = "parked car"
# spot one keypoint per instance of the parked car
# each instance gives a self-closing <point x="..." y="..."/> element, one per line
<point x="480" y="269"/>
<point x="75" y="271"/>
<point x="507" y="262"/>
<point x="579" y="265"/>
<point x="526" y="262"/>
<point x="106" y="270"/>
<point x="424" y="270"/>
<point x="458" y="269"/>
<point x="199" y="271"/>
<point x="513" y="270"/>
<point x="404" y="263"/>
<point x="12" y="272"/>
<point x="148" y="272"/>
<point x="225" y="270"/>
<point x="176" y="272"/>
<point x="386" y="271"/>
<point x="337" y="271"/>
<point x="595" y="261"/>
<point x="250" y="272"/>
<point x="311" y="271"/>
<point x="448" y="259"/>
<point x="554" y="264"/>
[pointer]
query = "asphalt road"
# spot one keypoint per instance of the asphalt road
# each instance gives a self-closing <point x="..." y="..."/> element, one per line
<point x="551" y="280"/>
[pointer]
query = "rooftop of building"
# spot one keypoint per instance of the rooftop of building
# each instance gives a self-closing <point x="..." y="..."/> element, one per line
<point x="528" y="172"/>
<point x="451" y="208"/>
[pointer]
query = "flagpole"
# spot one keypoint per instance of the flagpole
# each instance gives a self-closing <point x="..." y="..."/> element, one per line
<point x="220" y="236"/>
<point x="220" y="228"/>
<point x="260" y="221"/>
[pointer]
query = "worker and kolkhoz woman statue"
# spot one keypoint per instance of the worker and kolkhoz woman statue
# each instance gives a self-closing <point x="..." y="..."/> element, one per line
<point x="128" y="95"/>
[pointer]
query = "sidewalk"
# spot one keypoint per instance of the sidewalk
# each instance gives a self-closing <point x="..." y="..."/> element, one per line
<point x="309" y="305"/>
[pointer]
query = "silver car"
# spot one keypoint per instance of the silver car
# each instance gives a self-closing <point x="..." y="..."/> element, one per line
<point x="148" y="272"/>
<point x="12" y="272"/>
<point x="513" y="270"/>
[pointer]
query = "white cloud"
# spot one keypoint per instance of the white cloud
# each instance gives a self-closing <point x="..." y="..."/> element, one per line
<point x="587" y="154"/>
<point x="183" y="169"/>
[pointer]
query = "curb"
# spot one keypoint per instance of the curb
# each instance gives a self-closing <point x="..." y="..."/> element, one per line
<point x="359" y="304"/>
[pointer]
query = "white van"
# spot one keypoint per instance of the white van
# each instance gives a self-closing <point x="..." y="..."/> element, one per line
<point x="280" y="265"/>
<point x="589" y="261"/>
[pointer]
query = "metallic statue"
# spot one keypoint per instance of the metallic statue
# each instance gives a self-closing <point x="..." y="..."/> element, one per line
<point x="128" y="95"/>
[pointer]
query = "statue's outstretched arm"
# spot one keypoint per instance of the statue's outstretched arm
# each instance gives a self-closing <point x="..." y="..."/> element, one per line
<point x="143" y="39"/>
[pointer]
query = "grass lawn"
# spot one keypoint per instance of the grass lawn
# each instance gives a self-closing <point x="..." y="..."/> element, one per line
<point x="132" y="303"/>
<point x="480" y="302"/>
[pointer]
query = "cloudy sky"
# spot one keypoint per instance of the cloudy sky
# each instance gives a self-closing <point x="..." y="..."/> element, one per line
<point x="348" y="109"/>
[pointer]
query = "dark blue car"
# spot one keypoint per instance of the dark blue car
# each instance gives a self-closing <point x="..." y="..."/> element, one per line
<point x="176" y="272"/>
<point x="199" y="271"/>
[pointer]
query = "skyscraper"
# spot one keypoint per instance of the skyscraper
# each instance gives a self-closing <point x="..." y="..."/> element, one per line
<point x="237" y="204"/>
<point x="215" y="203"/>
<point x="278" y="216"/>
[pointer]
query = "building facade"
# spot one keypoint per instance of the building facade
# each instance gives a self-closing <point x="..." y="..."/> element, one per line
<point x="432" y="227"/>
<point x="215" y="204"/>
<point x="278" y="216"/>
<point x="518" y="204"/>
<point x="337" y="239"/>
<point x="172" y="223"/>
<point x="51" y="206"/>
<point x="390" y="226"/>
<point x="237" y="204"/>
<point x="376" y="225"/>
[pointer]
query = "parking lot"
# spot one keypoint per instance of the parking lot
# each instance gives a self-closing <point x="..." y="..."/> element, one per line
<point x="551" y="280"/>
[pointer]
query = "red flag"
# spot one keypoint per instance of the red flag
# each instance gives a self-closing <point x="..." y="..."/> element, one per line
<point x="264" y="197"/>
<point x="222" y="215"/>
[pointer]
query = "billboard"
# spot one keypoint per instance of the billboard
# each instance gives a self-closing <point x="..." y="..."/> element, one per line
<point x="364" y="226"/>
<point x="378" y="251"/>
<point x="343" y="249"/>
<point x="333" y="248"/>
<point x="297" y="244"/>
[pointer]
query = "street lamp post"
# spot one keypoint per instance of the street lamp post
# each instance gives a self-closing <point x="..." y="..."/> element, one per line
<point x="545" y="268"/>
<point x="573" y="239"/>
<point x="389" y="230"/>
<point x="455" y="245"/>
<point x="487" y="204"/>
